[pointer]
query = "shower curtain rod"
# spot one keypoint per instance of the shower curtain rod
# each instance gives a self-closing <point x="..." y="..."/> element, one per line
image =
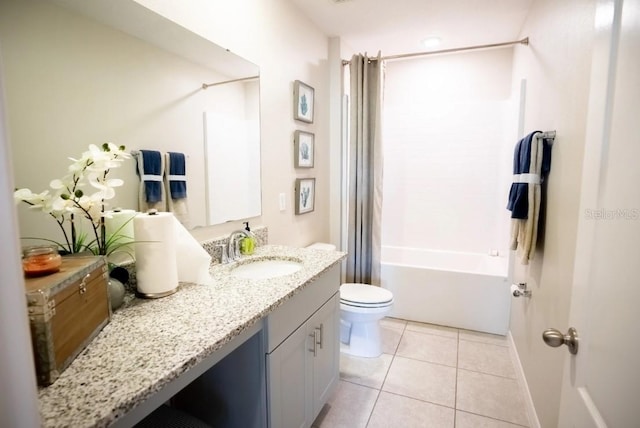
<point x="524" y="41"/>
<point x="206" y="85"/>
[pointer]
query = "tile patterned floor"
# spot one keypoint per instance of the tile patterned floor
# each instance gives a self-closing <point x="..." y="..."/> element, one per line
<point x="428" y="376"/>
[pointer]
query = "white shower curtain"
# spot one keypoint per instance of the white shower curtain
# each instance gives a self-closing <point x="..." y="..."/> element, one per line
<point x="365" y="170"/>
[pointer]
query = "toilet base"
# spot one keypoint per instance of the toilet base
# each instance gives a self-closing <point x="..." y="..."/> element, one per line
<point x="361" y="339"/>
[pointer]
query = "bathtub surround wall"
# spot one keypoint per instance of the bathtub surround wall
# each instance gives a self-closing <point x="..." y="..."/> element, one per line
<point x="449" y="132"/>
<point x="557" y="67"/>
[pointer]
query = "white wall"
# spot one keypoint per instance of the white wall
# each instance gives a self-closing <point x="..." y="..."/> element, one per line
<point x="19" y="400"/>
<point x="97" y="76"/>
<point x="557" y="66"/>
<point x="286" y="46"/>
<point x="447" y="128"/>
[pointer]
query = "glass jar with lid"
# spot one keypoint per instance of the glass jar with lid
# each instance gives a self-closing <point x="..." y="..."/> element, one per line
<point x="41" y="260"/>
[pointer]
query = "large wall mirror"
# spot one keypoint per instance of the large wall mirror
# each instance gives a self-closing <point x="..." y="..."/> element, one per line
<point x="80" y="72"/>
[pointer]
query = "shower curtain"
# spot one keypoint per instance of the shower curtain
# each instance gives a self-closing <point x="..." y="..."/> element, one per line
<point x="365" y="170"/>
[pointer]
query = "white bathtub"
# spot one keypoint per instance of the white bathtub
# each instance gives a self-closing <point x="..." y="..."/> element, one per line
<point x="463" y="290"/>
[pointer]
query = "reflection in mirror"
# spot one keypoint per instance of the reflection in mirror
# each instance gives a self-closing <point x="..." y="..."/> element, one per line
<point x="232" y="152"/>
<point x="80" y="72"/>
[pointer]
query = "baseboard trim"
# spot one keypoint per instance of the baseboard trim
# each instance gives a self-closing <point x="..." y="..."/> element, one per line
<point x="534" y="422"/>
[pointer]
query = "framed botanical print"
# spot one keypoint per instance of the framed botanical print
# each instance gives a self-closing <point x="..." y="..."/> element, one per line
<point x="303" y="100"/>
<point x="304" y="149"/>
<point x="305" y="195"/>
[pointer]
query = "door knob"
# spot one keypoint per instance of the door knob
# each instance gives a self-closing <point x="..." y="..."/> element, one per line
<point x="555" y="338"/>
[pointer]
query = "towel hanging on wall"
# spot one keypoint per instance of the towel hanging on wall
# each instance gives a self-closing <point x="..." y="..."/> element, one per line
<point x="531" y="164"/>
<point x="175" y="181"/>
<point x="150" y="168"/>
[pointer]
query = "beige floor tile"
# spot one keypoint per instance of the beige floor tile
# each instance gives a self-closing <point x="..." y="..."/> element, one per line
<point x="392" y="411"/>
<point x="429" y="347"/>
<point x="491" y="396"/>
<point x="477" y="336"/>
<point x="421" y="380"/>
<point x="349" y="407"/>
<point x="432" y="329"/>
<point x="365" y="371"/>
<point x="468" y="420"/>
<point x="391" y="331"/>
<point x="485" y="358"/>
<point x="394" y="323"/>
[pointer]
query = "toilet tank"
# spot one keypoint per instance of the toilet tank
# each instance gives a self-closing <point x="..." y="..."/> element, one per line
<point x="322" y="246"/>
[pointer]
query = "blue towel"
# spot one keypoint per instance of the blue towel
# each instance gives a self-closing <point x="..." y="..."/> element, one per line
<point x="152" y="175"/>
<point x="519" y="194"/>
<point x="177" y="175"/>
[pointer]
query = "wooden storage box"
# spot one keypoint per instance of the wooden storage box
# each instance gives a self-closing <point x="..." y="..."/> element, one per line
<point x="67" y="310"/>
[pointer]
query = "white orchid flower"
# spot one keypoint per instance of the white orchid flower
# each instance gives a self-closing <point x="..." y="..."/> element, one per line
<point x="58" y="184"/>
<point x="36" y="200"/>
<point x="23" y="195"/>
<point x="92" y="206"/>
<point x="118" y="151"/>
<point x="61" y="206"/>
<point x="68" y="196"/>
<point x="104" y="185"/>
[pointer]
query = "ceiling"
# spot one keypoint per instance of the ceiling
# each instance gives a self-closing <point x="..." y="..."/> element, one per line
<point x="399" y="26"/>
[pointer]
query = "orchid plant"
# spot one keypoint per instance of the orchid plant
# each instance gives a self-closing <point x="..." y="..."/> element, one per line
<point x="68" y="204"/>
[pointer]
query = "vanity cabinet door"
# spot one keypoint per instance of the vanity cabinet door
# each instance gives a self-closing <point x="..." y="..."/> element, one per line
<point x="324" y="325"/>
<point x="289" y="381"/>
<point x="302" y="342"/>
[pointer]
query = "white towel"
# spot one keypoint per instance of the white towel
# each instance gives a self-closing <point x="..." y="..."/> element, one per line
<point x="524" y="232"/>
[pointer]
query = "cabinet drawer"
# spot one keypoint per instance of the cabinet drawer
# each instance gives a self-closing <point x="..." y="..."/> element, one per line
<point x="295" y="311"/>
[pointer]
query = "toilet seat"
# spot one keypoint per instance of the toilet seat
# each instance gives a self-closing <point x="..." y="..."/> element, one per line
<point x="365" y="296"/>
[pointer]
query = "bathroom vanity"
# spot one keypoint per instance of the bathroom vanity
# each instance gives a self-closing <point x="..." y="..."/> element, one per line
<point x="303" y="352"/>
<point x="271" y="346"/>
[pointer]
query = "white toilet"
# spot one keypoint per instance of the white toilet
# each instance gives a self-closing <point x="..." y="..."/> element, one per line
<point x="362" y="306"/>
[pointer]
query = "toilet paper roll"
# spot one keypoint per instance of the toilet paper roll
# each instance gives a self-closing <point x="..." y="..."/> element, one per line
<point x="513" y="288"/>
<point x="155" y="250"/>
<point x="120" y="224"/>
<point x="193" y="261"/>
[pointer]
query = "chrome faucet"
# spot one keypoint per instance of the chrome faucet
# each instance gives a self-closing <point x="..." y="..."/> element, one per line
<point x="233" y="248"/>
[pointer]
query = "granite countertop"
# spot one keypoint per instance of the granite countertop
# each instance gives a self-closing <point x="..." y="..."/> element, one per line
<point x="149" y="343"/>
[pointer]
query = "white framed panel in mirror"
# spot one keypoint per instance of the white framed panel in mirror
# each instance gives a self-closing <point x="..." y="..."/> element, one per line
<point x="232" y="153"/>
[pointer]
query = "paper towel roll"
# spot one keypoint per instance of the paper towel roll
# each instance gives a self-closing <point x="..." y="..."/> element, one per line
<point x="120" y="223"/>
<point x="155" y="249"/>
<point x="193" y="260"/>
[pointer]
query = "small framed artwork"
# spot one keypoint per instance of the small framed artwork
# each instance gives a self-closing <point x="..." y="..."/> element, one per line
<point x="303" y="143"/>
<point x="305" y="195"/>
<point x="303" y="96"/>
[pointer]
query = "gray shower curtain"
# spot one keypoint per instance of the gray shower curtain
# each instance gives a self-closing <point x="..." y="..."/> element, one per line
<point x="365" y="170"/>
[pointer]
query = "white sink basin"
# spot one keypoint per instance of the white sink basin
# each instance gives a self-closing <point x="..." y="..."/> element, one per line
<point x="265" y="269"/>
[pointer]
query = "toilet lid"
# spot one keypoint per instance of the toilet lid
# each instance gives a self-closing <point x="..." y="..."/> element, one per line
<point x="364" y="295"/>
<point x="322" y="246"/>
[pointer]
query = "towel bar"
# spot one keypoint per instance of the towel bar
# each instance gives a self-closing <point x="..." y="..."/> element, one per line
<point x="137" y="152"/>
<point x="549" y="135"/>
